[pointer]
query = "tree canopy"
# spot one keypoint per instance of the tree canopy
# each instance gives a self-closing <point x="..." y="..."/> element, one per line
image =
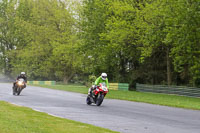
<point x="145" y="41"/>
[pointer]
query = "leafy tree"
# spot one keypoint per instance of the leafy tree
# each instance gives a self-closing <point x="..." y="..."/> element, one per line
<point x="109" y="37"/>
<point x="156" y="22"/>
<point x="8" y="38"/>
<point x="121" y="36"/>
<point x="46" y="35"/>
<point x="146" y="41"/>
<point x="92" y="24"/>
<point x="185" y="33"/>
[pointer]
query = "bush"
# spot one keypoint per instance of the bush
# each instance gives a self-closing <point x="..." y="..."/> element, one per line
<point x="197" y="82"/>
<point x="132" y="85"/>
<point x="91" y="80"/>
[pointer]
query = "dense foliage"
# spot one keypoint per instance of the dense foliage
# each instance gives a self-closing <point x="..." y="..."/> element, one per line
<point x="39" y="37"/>
<point x="145" y="41"/>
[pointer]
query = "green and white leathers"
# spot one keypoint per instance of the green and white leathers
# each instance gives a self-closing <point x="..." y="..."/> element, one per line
<point x="100" y="80"/>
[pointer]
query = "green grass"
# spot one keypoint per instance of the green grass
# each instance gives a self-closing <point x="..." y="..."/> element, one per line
<point x="161" y="99"/>
<point x="15" y="119"/>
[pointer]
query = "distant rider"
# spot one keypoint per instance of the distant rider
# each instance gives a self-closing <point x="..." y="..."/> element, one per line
<point x="22" y="75"/>
<point x="101" y="79"/>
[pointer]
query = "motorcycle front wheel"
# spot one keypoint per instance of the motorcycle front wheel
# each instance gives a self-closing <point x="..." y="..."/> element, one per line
<point x="14" y="90"/>
<point x="88" y="101"/>
<point x="99" y="99"/>
<point x="19" y="91"/>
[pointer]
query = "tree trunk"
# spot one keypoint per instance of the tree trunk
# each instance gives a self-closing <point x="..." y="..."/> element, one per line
<point x="67" y="78"/>
<point x="169" y="79"/>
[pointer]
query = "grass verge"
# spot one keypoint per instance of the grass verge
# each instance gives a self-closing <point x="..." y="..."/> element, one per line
<point x="14" y="119"/>
<point x="160" y="99"/>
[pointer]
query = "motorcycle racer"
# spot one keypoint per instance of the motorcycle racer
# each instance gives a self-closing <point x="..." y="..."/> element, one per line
<point x="101" y="79"/>
<point x="22" y="75"/>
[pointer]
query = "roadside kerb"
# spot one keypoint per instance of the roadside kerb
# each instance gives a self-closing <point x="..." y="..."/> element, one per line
<point x="41" y="82"/>
<point x="119" y="86"/>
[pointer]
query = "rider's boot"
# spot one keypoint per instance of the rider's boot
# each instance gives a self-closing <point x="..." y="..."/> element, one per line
<point x="89" y="92"/>
<point x="13" y="88"/>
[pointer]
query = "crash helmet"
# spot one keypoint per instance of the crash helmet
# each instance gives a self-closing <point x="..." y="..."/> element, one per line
<point x="104" y="76"/>
<point x="23" y="73"/>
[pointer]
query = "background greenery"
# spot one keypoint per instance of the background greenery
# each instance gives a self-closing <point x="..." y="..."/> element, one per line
<point x="144" y="41"/>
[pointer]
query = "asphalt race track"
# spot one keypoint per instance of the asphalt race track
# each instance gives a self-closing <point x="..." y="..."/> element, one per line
<point x="117" y="115"/>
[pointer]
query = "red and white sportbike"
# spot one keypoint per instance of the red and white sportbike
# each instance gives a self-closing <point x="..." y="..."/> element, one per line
<point x="97" y="95"/>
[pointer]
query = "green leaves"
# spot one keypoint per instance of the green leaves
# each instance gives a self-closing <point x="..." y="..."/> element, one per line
<point x="145" y="40"/>
<point x="42" y="38"/>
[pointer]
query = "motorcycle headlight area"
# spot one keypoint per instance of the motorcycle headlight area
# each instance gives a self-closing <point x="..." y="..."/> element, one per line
<point x="20" y="83"/>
